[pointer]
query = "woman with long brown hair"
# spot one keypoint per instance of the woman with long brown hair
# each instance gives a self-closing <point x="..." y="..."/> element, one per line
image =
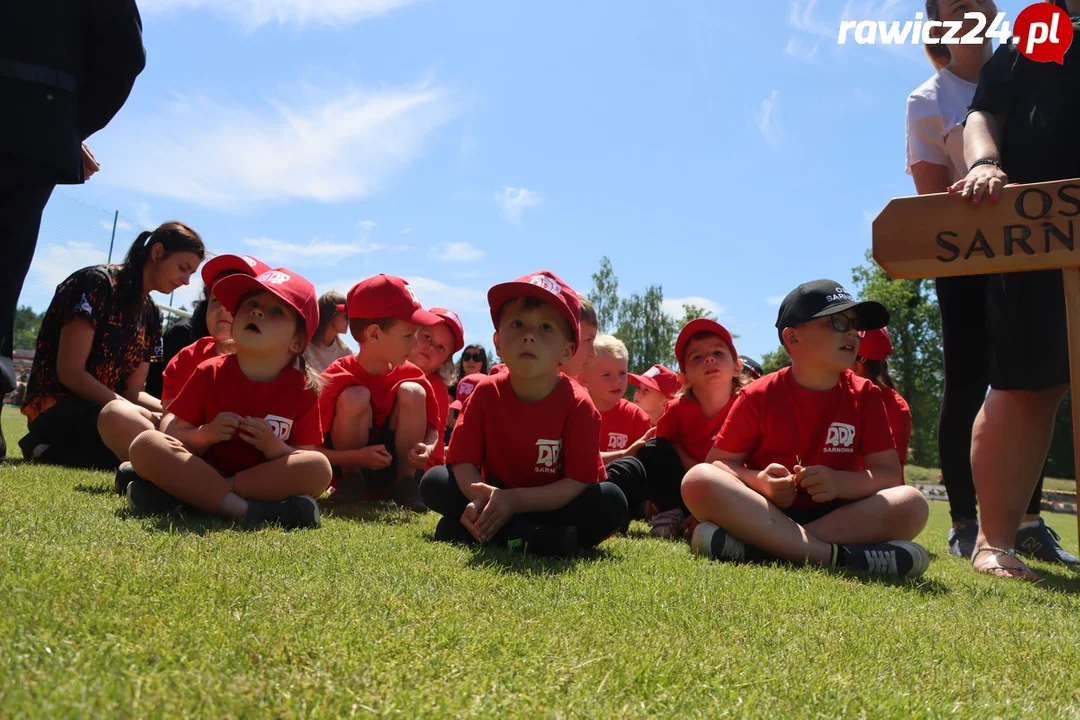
<point x="95" y="345"/>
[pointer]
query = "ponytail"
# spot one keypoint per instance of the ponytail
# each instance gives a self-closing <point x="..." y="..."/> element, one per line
<point x="173" y="237"/>
<point x="313" y="381"/>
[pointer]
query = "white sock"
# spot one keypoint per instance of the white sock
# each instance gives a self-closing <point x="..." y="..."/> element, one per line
<point x="1029" y="525"/>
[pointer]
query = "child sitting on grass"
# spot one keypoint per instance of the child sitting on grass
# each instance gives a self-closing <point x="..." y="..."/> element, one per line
<point x="654" y="389"/>
<point x="805" y="468"/>
<point x="624" y="427"/>
<point x="875" y="347"/>
<point x="243" y="441"/>
<point x="575" y="366"/>
<point x="435" y="347"/>
<point x="523" y="468"/>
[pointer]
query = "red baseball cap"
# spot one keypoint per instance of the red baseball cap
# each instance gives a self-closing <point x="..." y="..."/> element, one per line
<point x="875" y="344"/>
<point x="454" y="323"/>
<point x="292" y="288"/>
<point x="498" y="368"/>
<point x="465" y="387"/>
<point x="236" y="263"/>
<point x="701" y="325"/>
<point x="660" y="379"/>
<point x="387" y="296"/>
<point x="546" y="286"/>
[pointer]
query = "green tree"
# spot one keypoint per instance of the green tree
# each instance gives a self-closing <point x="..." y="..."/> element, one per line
<point x="916" y="364"/>
<point x="773" y="361"/>
<point x="648" y="332"/>
<point x="27" y="324"/>
<point x="605" y="296"/>
<point x="693" y="312"/>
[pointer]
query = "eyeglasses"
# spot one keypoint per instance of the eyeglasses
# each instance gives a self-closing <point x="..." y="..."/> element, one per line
<point x="472" y="357"/>
<point x="842" y="323"/>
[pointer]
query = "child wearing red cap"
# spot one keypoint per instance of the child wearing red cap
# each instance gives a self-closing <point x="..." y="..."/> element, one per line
<point x="584" y="351"/>
<point x="655" y="388"/>
<point x="523" y="468"/>
<point x="805" y="468"/>
<point x="624" y="427"/>
<point x="243" y="443"/>
<point x="326" y="346"/>
<point x="463" y="390"/>
<point x="875" y="346"/>
<point x="119" y="422"/>
<point x="435" y="348"/>
<point x="379" y="411"/>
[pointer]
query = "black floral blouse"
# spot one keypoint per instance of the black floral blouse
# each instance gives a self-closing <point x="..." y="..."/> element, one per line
<point x="121" y="343"/>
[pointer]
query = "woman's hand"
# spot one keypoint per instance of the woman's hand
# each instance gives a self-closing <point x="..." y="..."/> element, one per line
<point x="982" y="181"/>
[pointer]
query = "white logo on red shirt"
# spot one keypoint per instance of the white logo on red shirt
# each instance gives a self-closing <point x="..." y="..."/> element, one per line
<point x="282" y="426"/>
<point x="617" y="441"/>
<point x="274" y="277"/>
<point x="840" y="438"/>
<point x="547" y="283"/>
<point x="548" y="455"/>
<point x="466" y="388"/>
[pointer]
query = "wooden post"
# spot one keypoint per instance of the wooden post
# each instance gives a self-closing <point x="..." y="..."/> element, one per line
<point x="1031" y="227"/>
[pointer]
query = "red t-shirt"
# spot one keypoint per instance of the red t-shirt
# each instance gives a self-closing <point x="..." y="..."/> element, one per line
<point x="622" y="426"/>
<point x="347" y="372"/>
<point x="899" y="413"/>
<point x="438" y="456"/>
<point x="183" y="364"/>
<point x="684" y="423"/>
<point x="219" y="385"/>
<point x="529" y="444"/>
<point x="774" y="420"/>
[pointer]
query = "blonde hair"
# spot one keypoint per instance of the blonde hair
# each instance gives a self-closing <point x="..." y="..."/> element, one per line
<point x="611" y="346"/>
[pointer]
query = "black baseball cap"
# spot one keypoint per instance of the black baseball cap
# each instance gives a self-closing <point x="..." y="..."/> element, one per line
<point x="822" y="298"/>
<point x="752" y="364"/>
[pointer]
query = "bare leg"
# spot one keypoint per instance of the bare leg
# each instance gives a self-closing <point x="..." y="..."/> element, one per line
<point x="409" y="422"/>
<point x="353" y="418"/>
<point x="896" y="513"/>
<point x="1009" y="444"/>
<point x="119" y="423"/>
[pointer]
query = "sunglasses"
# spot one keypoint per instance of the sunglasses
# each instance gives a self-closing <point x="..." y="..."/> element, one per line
<point x="842" y="323"/>
<point x="472" y="357"/>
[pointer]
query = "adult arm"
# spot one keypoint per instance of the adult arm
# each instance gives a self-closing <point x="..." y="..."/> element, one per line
<point x="76" y="341"/>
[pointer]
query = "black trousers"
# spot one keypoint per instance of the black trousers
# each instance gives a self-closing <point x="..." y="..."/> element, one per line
<point x="69" y="428"/>
<point x="23" y="196"/>
<point x="597" y="513"/>
<point x="966" y="344"/>
<point x="655" y="474"/>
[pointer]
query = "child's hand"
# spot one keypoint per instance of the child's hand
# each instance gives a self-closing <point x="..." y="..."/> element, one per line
<point x="779" y="485"/>
<point x="374" y="457"/>
<point x="469" y="518"/>
<point x="640" y="442"/>
<point x="221" y="429"/>
<point x="260" y="434"/>
<point x="419" y="456"/>
<point x="498" y="510"/>
<point x="818" y="481"/>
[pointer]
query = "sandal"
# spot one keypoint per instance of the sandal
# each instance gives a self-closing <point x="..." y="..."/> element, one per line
<point x="1019" y="571"/>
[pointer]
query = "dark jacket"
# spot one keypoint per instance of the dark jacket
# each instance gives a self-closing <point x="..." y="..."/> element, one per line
<point x="66" y="68"/>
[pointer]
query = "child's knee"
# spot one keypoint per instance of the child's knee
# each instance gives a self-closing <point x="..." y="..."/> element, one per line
<point x="144" y="447"/>
<point x="700" y="483"/>
<point x="911" y="511"/>
<point x="411" y="397"/>
<point x="316" y="470"/>
<point x="353" y="402"/>
<point x="113" y="413"/>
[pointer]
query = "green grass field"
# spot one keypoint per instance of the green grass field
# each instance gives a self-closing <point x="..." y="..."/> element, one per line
<point x="104" y="614"/>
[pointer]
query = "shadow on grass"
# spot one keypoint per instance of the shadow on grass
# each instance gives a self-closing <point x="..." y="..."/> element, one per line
<point x="96" y="489"/>
<point x="508" y="561"/>
<point x="1059" y="581"/>
<point x="381" y="512"/>
<point x="190" y="522"/>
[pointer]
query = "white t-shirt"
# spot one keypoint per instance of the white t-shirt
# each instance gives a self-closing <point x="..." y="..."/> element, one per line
<point x="935" y="122"/>
<point x="321" y="356"/>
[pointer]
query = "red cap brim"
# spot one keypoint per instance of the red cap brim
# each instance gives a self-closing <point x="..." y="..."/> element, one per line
<point x="456" y="405"/>
<point x="231" y="289"/>
<point x="499" y="294"/>
<point x="702" y="325"/>
<point x="644" y="382"/>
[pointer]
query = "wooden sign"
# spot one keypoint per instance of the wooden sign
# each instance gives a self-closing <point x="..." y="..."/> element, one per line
<point x="1030" y="227"/>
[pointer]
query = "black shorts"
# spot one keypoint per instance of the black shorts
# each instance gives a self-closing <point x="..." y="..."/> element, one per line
<point x="375" y="481"/>
<point x="69" y="428"/>
<point x="1028" y="335"/>
<point x="805" y="516"/>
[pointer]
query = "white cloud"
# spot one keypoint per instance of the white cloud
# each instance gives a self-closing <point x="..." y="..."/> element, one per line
<point x="513" y="202"/>
<point x="406" y="231"/>
<point x="253" y="13"/>
<point x="316" y="252"/>
<point x="456" y="252"/>
<point x="674" y="306"/>
<point x="143" y="218"/>
<point x="365" y="226"/>
<point x="434" y="293"/>
<point x="326" y="145"/>
<point x="121" y="225"/>
<point x="53" y="262"/>
<point x="768" y="119"/>
<point x="804" y="53"/>
<point x="774" y="300"/>
<point x="801" y="18"/>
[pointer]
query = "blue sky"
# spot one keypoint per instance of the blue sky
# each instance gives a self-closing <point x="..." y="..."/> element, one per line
<point x="725" y="150"/>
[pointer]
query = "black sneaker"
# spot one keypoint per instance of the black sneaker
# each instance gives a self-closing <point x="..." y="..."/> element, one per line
<point x="146" y="497"/>
<point x="124" y="475"/>
<point x="350" y="489"/>
<point x="406" y="493"/>
<point x="452" y="531"/>
<point x="898" y="558"/>
<point x="1042" y="543"/>
<point x="710" y="541"/>
<point x="298" y="511"/>
<point x="542" y="540"/>
<point x="3" y="442"/>
<point x="962" y="539"/>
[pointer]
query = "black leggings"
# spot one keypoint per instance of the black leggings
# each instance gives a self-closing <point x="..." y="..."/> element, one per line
<point x="69" y="428"/>
<point x="967" y="378"/>
<point x="597" y="512"/>
<point x="655" y="474"/>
